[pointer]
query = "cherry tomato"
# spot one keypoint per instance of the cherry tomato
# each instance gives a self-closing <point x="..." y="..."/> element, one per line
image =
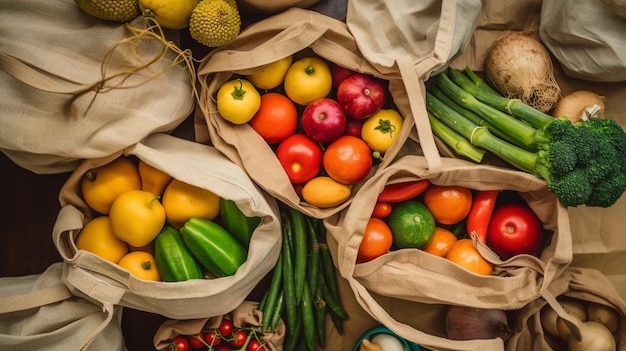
<point x="179" y="344"/>
<point x="382" y="210"/>
<point x="224" y="348"/>
<point x="348" y="159"/>
<point x="514" y="229"/>
<point x="276" y="119"/>
<point x="308" y="79"/>
<point x="212" y="338"/>
<point x="254" y="345"/>
<point x="239" y="338"/>
<point x="226" y="328"/>
<point x="238" y="101"/>
<point x="377" y="240"/>
<point x="301" y="158"/>
<point x="195" y="341"/>
<point x="381" y="130"/>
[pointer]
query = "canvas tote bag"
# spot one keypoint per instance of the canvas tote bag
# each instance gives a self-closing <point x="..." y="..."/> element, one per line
<point x="196" y="164"/>
<point x="58" y="108"/>
<point x="38" y="312"/>
<point x="245" y="315"/>
<point x="584" y="284"/>
<point x="414" y="275"/>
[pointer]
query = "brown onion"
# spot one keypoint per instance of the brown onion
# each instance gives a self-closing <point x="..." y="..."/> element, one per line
<point x="549" y="318"/>
<point x="468" y="323"/>
<point x="590" y="336"/>
<point x="603" y="314"/>
<point x="574" y="308"/>
<point x="580" y="105"/>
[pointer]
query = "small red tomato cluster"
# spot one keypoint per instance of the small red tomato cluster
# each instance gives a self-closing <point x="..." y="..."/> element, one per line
<point x="226" y="337"/>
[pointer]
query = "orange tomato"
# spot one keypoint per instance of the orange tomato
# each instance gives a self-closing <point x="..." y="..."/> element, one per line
<point x="276" y="119"/>
<point x="348" y="159"/>
<point x="377" y="240"/>
<point x="153" y="179"/>
<point x="449" y="204"/>
<point x="441" y="243"/>
<point x="141" y="264"/>
<point x="382" y="210"/>
<point x="465" y="255"/>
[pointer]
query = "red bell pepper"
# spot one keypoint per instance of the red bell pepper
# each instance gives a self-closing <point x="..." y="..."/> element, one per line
<point x="480" y="213"/>
<point x="399" y="192"/>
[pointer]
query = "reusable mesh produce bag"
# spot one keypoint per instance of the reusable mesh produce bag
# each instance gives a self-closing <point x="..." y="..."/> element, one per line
<point x="75" y="87"/>
<point x="93" y="277"/>
<point x="415" y="275"/>
<point x="38" y="312"/>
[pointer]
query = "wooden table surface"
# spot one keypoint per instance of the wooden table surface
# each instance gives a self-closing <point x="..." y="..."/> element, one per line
<point x="29" y="206"/>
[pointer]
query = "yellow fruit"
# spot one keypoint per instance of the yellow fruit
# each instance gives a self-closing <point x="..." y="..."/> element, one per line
<point x="325" y="192"/>
<point x="98" y="238"/>
<point x="141" y="265"/>
<point x="271" y="75"/>
<point x="173" y="14"/>
<point x="183" y="201"/>
<point x="137" y="217"/>
<point x="101" y="185"/>
<point x="111" y="10"/>
<point x="215" y="22"/>
<point x="153" y="179"/>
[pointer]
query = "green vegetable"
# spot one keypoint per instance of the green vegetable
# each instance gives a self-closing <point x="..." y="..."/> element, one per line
<point x="213" y="246"/>
<point x="291" y="306"/>
<point x="299" y="236"/>
<point x="271" y="297"/>
<point x="236" y="222"/>
<point x="582" y="163"/>
<point x="173" y="259"/>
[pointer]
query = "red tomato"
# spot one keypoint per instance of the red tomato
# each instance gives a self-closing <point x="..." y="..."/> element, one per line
<point x="382" y="210"/>
<point x="377" y="240"/>
<point x="179" y="344"/>
<point x="514" y="229"/>
<point x="339" y="73"/>
<point x="226" y="328"/>
<point x="212" y="338"/>
<point x="348" y="159"/>
<point x="239" y="338"/>
<point x="255" y="345"/>
<point x="301" y="158"/>
<point x="224" y="348"/>
<point x="276" y="119"/>
<point x="196" y="341"/>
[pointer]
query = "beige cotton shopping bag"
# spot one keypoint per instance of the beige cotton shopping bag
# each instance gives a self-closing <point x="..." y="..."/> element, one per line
<point x="92" y="277"/>
<point x="38" y="312"/>
<point x="415" y="275"/>
<point x="274" y="6"/>
<point x="76" y="87"/>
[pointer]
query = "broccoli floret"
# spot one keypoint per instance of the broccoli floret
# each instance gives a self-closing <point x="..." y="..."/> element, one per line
<point x="582" y="163"/>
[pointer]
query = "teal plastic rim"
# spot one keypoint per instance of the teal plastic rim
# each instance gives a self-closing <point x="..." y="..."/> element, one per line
<point x="410" y="346"/>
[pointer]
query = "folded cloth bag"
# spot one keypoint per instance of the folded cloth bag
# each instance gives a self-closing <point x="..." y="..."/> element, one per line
<point x="273" y="6"/>
<point x="92" y="277"/>
<point x="76" y="87"/>
<point x="415" y="275"/>
<point x="245" y="315"/>
<point x="296" y="32"/>
<point x="38" y="312"/>
<point x="583" y="284"/>
<point x="586" y="38"/>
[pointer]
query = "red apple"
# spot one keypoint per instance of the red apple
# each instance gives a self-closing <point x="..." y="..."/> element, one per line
<point x="361" y="95"/>
<point x="323" y="120"/>
<point x="338" y="74"/>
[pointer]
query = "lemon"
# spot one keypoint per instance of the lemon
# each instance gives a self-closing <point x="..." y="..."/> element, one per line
<point x="173" y="14"/>
<point x="411" y="224"/>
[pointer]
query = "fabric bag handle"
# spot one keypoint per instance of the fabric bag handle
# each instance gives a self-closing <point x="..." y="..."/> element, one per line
<point x="34" y="299"/>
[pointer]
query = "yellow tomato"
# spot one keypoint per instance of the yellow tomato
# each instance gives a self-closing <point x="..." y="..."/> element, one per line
<point x="101" y="185"/>
<point x="98" y="238"/>
<point x="173" y="14"/>
<point x="325" y="192"/>
<point x="381" y="129"/>
<point x="153" y="179"/>
<point x="238" y="101"/>
<point x="137" y="217"/>
<point x="141" y="264"/>
<point x="308" y="79"/>
<point x="183" y="201"/>
<point x="271" y="75"/>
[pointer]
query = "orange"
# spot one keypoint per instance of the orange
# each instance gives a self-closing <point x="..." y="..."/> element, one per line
<point x="465" y="255"/>
<point x="141" y="264"/>
<point x="412" y="225"/>
<point x="449" y="204"/>
<point x="377" y="240"/>
<point x="441" y="243"/>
